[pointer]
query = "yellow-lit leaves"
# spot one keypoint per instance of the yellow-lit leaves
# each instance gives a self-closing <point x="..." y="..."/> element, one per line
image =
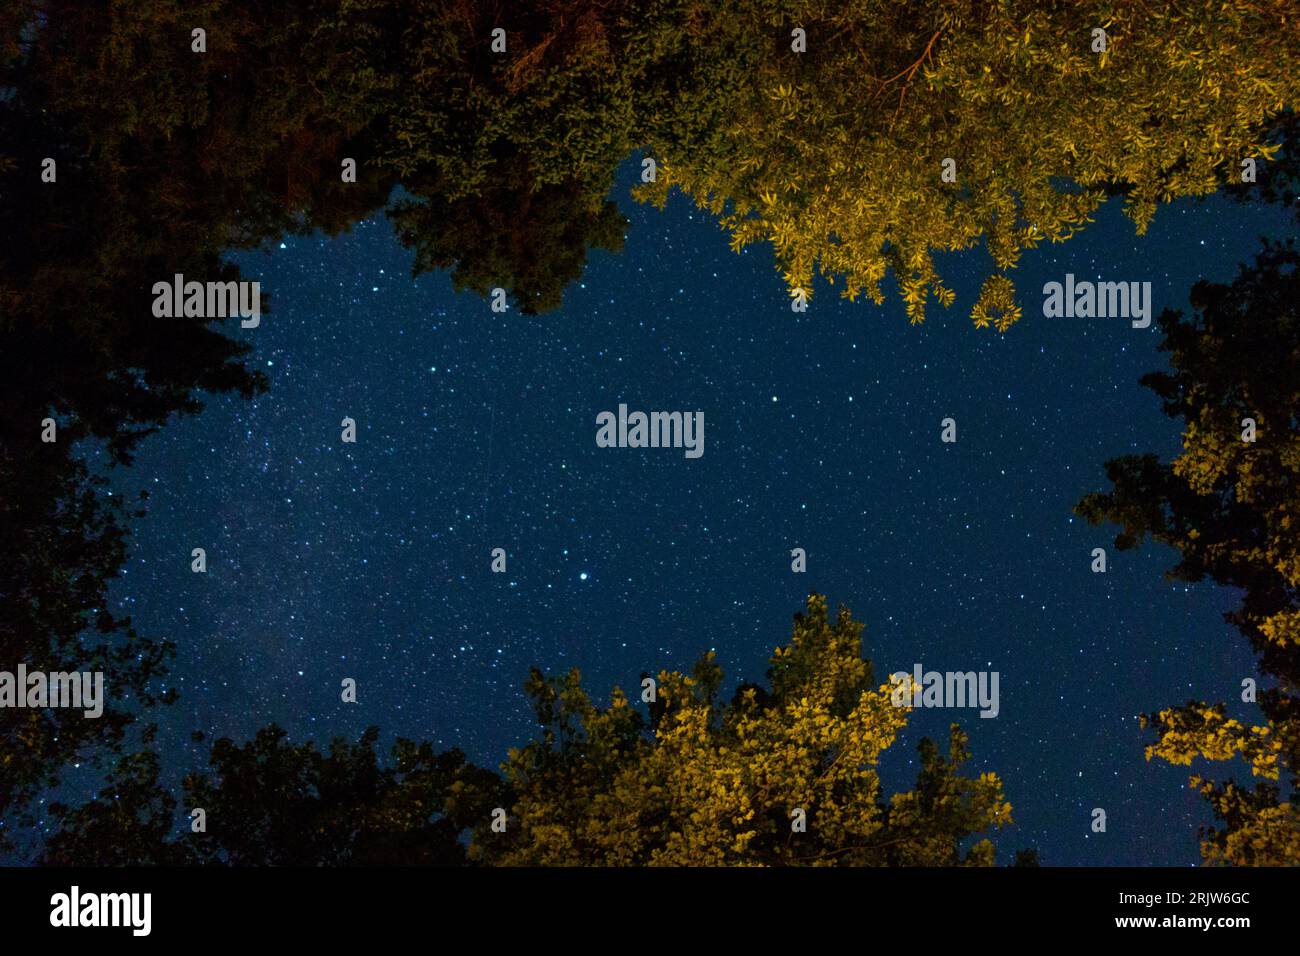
<point x="835" y="159"/>
<point x="717" y="784"/>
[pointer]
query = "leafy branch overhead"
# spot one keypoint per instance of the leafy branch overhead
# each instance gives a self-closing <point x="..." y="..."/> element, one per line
<point x="834" y="156"/>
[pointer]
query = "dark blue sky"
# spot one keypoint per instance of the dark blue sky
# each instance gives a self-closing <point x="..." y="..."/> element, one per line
<point x="477" y="430"/>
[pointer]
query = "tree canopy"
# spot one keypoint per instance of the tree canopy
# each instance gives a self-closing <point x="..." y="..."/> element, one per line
<point x="497" y="165"/>
<point x="718" y="783"/>
<point x="1229" y="504"/>
<point x="832" y="151"/>
<point x="834" y="156"/>
<point x="692" y="781"/>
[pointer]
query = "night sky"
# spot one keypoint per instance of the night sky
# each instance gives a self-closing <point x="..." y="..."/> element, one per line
<point x="822" y="431"/>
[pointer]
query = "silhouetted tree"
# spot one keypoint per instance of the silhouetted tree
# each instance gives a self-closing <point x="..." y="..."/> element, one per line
<point x="1277" y="181"/>
<point x="273" y="803"/>
<point x="1229" y="506"/>
<point x="530" y="243"/>
<point x="130" y="822"/>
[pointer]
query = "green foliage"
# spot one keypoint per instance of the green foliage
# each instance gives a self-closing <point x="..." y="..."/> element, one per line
<point x="834" y="156"/>
<point x="717" y="785"/>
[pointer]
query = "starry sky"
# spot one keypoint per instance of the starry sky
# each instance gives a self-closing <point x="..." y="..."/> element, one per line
<point x="476" y="430"/>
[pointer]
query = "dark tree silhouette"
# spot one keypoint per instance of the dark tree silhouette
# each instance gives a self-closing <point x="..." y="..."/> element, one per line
<point x="1277" y="181"/>
<point x="272" y="803"/>
<point x="1229" y="505"/>
<point x="532" y="244"/>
